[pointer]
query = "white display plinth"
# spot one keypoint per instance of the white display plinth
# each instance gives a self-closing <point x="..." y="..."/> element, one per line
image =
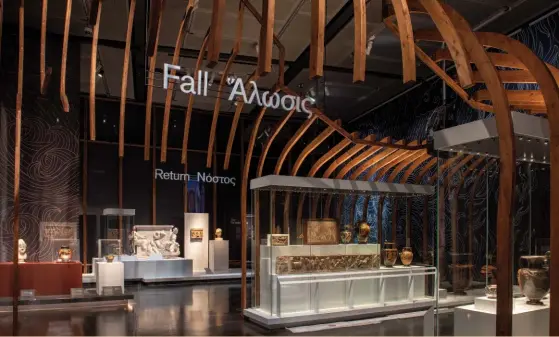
<point x="219" y="255"/>
<point x="528" y="320"/>
<point x="109" y="275"/>
<point x="487" y="304"/>
<point x="282" y="295"/>
<point x="196" y="249"/>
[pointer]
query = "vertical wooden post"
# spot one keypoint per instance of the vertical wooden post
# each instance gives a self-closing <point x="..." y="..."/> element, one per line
<point x="394" y="219"/>
<point x="124" y="86"/>
<point x="63" y="96"/>
<point x="214" y="211"/>
<point x="408" y="222"/>
<point x="379" y="223"/>
<point x="454" y="238"/>
<point x="441" y="228"/>
<point x="120" y="201"/>
<point x="360" y="41"/>
<point x="153" y="181"/>
<point x="93" y="71"/>
<point x="185" y="190"/>
<point x="84" y="197"/>
<point x="318" y="21"/>
<point x="218" y="10"/>
<point x="425" y="228"/>
<point x="266" y="37"/>
<point x="17" y="164"/>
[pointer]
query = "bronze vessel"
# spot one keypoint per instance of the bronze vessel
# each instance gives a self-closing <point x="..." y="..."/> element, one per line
<point x="346" y="235"/>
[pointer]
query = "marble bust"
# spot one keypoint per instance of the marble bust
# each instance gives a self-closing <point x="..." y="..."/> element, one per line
<point x="22" y="251"/>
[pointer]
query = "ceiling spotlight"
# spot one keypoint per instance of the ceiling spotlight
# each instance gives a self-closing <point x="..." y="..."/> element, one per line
<point x="101" y="73"/>
<point x="311" y="99"/>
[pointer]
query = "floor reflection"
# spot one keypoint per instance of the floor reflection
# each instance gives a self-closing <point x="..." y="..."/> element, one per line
<point x="183" y="310"/>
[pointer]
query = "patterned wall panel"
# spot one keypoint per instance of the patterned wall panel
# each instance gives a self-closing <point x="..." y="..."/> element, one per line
<point x="50" y="148"/>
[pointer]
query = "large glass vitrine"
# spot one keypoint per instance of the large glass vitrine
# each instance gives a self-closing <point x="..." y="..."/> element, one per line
<point x="468" y="232"/>
<point x="326" y="247"/>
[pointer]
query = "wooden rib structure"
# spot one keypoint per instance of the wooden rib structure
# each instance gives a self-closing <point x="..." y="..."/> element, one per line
<point x="359" y="41"/>
<point x="95" y="18"/>
<point x="190" y="106"/>
<point x="124" y="86"/>
<point x="517" y="64"/>
<point x="318" y="21"/>
<point x="214" y="44"/>
<point x="223" y="81"/>
<point x="63" y="96"/>
<point x="44" y="71"/>
<point x="17" y="166"/>
<point x="156" y="15"/>
<point x="178" y="44"/>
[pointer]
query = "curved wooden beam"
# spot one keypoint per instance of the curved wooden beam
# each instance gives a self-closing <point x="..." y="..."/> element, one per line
<point x="223" y="81"/>
<point x="358" y="160"/>
<point x="304" y="154"/>
<point x="329" y="155"/>
<point x="507" y="176"/>
<point x="183" y="27"/>
<point x="154" y="29"/>
<point x="336" y="163"/>
<point x="44" y="73"/>
<point x="498" y="59"/>
<point x="238" y="109"/>
<point x="190" y="106"/>
<point x="320" y="115"/>
<point x="452" y="40"/>
<point x="244" y="190"/>
<point x="317" y="165"/>
<point x="311" y="147"/>
<point x="371" y="162"/>
<point x="292" y="141"/>
<point x="93" y="71"/>
<point x="406" y="39"/>
<point x="124" y="86"/>
<point x="266" y="148"/>
<point x="421" y="160"/>
<point x="390" y="159"/>
<point x="549" y="88"/>
<point x="63" y="96"/>
<point x="441" y="73"/>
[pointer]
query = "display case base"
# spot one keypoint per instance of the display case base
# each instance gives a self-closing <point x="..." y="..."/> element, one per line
<point x="268" y="321"/>
<point x="528" y="320"/>
<point x="67" y="302"/>
<point x="139" y="270"/>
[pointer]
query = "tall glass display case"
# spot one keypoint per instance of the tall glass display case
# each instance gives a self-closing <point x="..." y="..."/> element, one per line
<point x="325" y="248"/>
<point x="468" y="189"/>
<point x="118" y="224"/>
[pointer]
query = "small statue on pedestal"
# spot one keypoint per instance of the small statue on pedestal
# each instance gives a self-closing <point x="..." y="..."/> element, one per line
<point x="22" y="251"/>
<point x="218" y="233"/>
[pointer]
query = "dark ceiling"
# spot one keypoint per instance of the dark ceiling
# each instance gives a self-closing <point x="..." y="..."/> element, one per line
<point x="335" y="92"/>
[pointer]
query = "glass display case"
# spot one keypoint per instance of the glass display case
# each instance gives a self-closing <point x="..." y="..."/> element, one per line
<point x="117" y="225"/>
<point x="468" y="190"/>
<point x="325" y="247"/>
<point x="109" y="247"/>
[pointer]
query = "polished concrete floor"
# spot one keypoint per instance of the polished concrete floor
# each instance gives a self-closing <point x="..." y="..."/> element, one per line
<point x="194" y="310"/>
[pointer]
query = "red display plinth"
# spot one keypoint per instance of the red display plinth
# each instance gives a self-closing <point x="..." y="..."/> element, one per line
<point x="47" y="278"/>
